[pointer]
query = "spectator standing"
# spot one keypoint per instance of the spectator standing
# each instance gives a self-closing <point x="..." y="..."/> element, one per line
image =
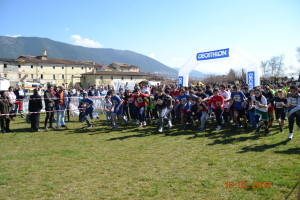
<point x="49" y="99"/>
<point x="12" y="99"/>
<point x="4" y="111"/>
<point x="103" y="93"/>
<point x="20" y="96"/>
<point x="35" y="106"/>
<point x="61" y="107"/>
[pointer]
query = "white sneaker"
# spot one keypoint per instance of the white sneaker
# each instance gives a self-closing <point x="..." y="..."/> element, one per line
<point x="160" y="129"/>
<point x="137" y="122"/>
<point x="290" y="136"/>
<point x="144" y="123"/>
<point x="218" y="128"/>
<point x="88" y="127"/>
<point x="170" y="124"/>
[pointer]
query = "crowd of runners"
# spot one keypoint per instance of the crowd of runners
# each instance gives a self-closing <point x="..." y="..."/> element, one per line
<point x="237" y="105"/>
<point x="226" y="105"/>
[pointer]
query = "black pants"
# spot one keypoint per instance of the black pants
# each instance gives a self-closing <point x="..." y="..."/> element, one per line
<point x="85" y="116"/>
<point x="188" y="117"/>
<point x="35" y="121"/>
<point x="4" y="123"/>
<point x="49" y="115"/>
<point x="225" y="116"/>
<point x="68" y="114"/>
<point x="126" y="112"/>
<point x="218" y="113"/>
<point x="292" y="118"/>
<point x="80" y="116"/>
<point x="132" y="111"/>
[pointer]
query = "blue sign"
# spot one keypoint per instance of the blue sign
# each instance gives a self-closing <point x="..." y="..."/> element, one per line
<point x="251" y="79"/>
<point x="180" y="81"/>
<point x="222" y="53"/>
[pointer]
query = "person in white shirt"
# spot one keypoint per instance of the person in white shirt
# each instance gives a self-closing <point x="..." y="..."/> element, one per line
<point x="12" y="99"/>
<point x="126" y="86"/>
<point x="11" y="95"/>
<point x="39" y="91"/>
<point x="227" y="100"/>
<point x="104" y="92"/>
<point x="261" y="110"/>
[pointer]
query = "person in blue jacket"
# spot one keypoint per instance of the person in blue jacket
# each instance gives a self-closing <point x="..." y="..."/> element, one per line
<point x="183" y="105"/>
<point x="117" y="108"/>
<point x="238" y="101"/>
<point x="87" y="106"/>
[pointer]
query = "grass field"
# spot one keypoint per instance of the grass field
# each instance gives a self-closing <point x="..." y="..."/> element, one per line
<point x="138" y="163"/>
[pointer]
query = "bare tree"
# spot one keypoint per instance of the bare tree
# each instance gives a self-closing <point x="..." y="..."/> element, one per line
<point x="298" y="54"/>
<point x="276" y="66"/>
<point x="265" y="67"/>
<point x="232" y="73"/>
<point x="298" y="58"/>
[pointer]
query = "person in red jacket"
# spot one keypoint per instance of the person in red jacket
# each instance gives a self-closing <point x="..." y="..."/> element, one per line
<point x="141" y="103"/>
<point x="218" y="102"/>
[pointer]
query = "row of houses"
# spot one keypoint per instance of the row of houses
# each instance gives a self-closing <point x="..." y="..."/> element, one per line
<point x="67" y="72"/>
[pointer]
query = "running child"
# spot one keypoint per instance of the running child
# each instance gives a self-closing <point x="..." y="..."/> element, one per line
<point x="117" y="108"/>
<point x="293" y="110"/>
<point x="107" y="108"/>
<point x="87" y="106"/>
<point x="227" y="100"/>
<point x="261" y="110"/>
<point x="182" y="99"/>
<point x="218" y="101"/>
<point x="141" y="103"/>
<point x="280" y="103"/>
<point x="270" y="98"/>
<point x="238" y="99"/>
<point x="201" y="113"/>
<point x="160" y="101"/>
<point x="170" y="103"/>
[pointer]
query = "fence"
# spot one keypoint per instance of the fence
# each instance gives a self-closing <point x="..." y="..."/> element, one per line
<point x="74" y="103"/>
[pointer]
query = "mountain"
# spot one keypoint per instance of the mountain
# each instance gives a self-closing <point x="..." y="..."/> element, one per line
<point x="14" y="47"/>
<point x="195" y="74"/>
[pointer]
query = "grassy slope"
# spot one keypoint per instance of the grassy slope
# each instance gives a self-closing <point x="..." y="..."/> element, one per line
<point x="134" y="163"/>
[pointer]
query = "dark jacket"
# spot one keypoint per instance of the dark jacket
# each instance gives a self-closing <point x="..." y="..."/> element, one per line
<point x="18" y="96"/>
<point x="35" y="103"/>
<point x="4" y="107"/>
<point x="49" y="99"/>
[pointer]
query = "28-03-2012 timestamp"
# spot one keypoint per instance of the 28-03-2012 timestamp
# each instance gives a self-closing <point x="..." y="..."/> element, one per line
<point x="245" y="184"/>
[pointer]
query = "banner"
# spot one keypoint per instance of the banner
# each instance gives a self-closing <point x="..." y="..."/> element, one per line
<point x="222" y="53"/>
<point x="251" y="79"/>
<point x="180" y="81"/>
